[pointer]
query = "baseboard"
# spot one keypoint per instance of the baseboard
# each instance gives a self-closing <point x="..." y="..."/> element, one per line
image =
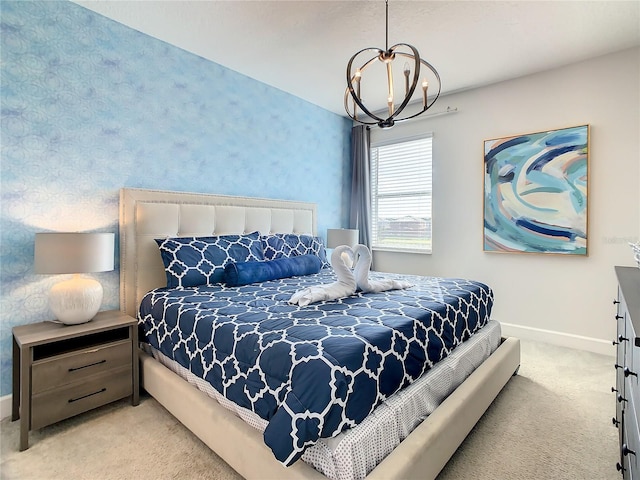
<point x="5" y="406"/>
<point x="568" y="340"/>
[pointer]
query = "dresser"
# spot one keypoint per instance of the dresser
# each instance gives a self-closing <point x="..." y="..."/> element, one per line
<point x="627" y="389"/>
<point x="62" y="370"/>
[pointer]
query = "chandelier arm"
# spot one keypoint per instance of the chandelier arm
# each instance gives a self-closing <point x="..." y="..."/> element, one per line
<point x="350" y="88"/>
<point x="359" y="120"/>
<point x="421" y="111"/>
<point x="416" y="75"/>
<point x="430" y="104"/>
<point x="418" y="113"/>
<point x="435" y="73"/>
<point x="352" y="116"/>
<point x="431" y="68"/>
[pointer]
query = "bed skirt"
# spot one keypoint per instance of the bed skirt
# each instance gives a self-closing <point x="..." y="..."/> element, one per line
<point x="421" y="455"/>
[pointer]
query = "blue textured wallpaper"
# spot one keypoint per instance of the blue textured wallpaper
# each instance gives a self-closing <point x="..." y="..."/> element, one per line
<point x="90" y="106"/>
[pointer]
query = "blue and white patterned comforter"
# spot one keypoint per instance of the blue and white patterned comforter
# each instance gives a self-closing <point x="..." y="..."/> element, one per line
<point x="312" y="371"/>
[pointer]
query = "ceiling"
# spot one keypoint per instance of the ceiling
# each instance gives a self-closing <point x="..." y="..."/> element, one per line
<point x="302" y="47"/>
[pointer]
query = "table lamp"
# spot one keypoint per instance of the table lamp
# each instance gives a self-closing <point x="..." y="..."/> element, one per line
<point x="341" y="236"/>
<point x="76" y="300"/>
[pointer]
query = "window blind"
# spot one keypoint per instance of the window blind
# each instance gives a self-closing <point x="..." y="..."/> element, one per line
<point x="401" y="187"/>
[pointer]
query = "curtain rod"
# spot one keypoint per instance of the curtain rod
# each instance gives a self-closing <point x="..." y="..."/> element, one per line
<point x="434" y="114"/>
<point x="444" y="112"/>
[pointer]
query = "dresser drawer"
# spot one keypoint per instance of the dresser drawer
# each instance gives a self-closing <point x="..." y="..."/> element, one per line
<point x="631" y="440"/>
<point x="74" y="366"/>
<point x="57" y="404"/>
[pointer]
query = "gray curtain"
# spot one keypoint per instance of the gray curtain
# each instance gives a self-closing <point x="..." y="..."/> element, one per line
<point x="360" y="213"/>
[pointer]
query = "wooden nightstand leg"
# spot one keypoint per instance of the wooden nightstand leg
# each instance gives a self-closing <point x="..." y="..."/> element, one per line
<point x="15" y="389"/>
<point x="25" y="397"/>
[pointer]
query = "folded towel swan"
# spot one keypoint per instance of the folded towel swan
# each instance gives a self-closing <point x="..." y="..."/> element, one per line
<point x="345" y="286"/>
<point x="362" y="260"/>
<point x="348" y="281"/>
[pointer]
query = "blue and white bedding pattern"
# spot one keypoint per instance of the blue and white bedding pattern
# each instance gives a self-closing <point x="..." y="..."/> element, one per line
<point x="279" y="245"/>
<point x="193" y="261"/>
<point x="312" y="371"/>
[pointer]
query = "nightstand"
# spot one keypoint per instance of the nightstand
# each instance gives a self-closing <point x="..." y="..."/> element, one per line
<point x="62" y="370"/>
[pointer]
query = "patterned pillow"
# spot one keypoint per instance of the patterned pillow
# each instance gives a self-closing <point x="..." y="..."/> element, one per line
<point x="192" y="261"/>
<point x="279" y="245"/>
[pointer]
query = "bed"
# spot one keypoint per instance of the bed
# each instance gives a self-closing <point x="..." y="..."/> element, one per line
<point x="146" y="215"/>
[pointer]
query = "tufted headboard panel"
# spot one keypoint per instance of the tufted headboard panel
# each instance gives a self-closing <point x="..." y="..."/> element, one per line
<point x="149" y="214"/>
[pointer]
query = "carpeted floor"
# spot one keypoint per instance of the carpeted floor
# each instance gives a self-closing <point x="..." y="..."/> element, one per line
<point x="551" y="422"/>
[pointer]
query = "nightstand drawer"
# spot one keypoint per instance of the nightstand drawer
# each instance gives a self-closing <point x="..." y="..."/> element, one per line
<point x="71" y="367"/>
<point x="60" y="403"/>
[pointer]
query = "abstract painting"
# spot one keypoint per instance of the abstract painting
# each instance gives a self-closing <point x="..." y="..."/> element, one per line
<point x="535" y="192"/>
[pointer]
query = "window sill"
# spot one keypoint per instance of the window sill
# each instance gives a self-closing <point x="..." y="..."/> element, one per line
<point x="402" y="250"/>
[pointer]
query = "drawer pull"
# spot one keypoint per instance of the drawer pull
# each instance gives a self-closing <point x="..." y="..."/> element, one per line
<point x="615" y="301"/>
<point x="615" y="421"/>
<point x="621" y="398"/>
<point x="102" y="390"/>
<point x="626" y="451"/>
<point x="613" y="390"/>
<point x="622" y="339"/>
<point x="616" y="366"/>
<point x="87" y="366"/>
<point x="618" y="317"/>
<point x="628" y="372"/>
<point x="615" y="343"/>
<point x="619" y="467"/>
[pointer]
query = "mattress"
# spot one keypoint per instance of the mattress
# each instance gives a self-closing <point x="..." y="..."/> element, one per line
<point x="352" y="454"/>
<point x="312" y="372"/>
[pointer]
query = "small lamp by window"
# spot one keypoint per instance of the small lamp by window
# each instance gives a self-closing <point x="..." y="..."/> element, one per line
<point x="79" y="299"/>
<point x="342" y="236"/>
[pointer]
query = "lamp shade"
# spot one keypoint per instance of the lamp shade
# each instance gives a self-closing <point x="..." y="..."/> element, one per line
<point x="57" y="253"/>
<point x="341" y="236"/>
<point x="76" y="300"/>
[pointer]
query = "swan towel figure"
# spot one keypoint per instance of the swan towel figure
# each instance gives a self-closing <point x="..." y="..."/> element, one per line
<point x="362" y="261"/>
<point x="344" y="287"/>
<point x="348" y="281"/>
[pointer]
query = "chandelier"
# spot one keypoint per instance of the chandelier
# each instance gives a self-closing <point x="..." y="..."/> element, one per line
<point x="411" y="71"/>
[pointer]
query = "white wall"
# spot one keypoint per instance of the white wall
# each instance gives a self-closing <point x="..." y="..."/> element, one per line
<point x="559" y="299"/>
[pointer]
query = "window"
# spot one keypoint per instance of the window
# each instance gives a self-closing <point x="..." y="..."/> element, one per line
<point x="401" y="195"/>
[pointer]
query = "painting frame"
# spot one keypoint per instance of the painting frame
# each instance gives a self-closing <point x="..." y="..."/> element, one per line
<point x="536" y="192"/>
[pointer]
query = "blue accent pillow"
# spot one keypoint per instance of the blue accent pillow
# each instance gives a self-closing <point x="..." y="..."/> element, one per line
<point x="193" y="261"/>
<point x="237" y="274"/>
<point x="285" y="245"/>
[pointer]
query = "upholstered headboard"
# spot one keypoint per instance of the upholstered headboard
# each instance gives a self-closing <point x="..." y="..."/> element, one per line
<point x="149" y="214"/>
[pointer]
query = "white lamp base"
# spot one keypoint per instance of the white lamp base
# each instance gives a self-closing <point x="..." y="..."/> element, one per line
<point x="76" y="301"/>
